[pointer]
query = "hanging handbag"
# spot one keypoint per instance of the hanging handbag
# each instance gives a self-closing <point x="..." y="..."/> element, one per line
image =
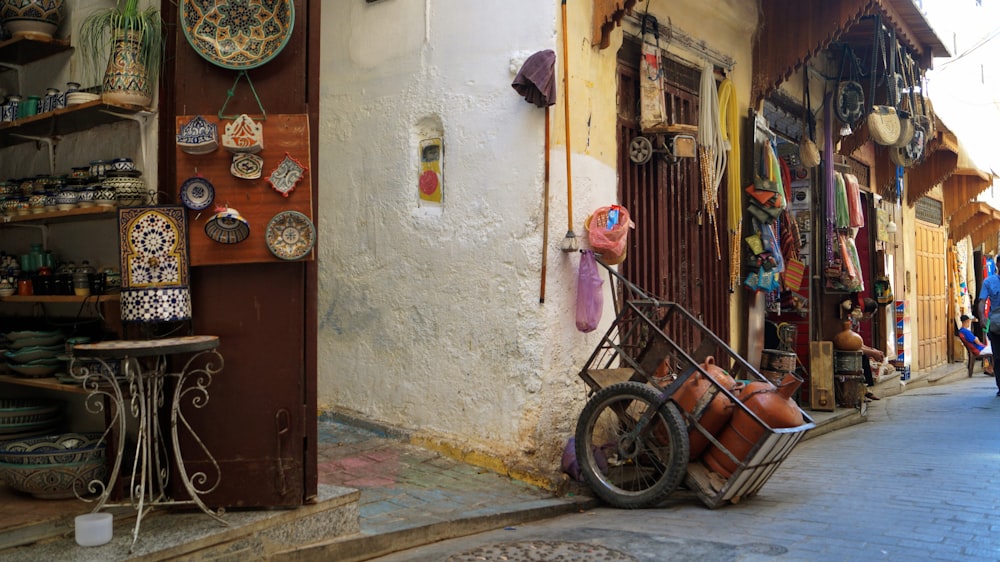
<point x="808" y="151"/>
<point x="898" y="83"/>
<point x="883" y="122"/>
<point x="849" y="97"/>
<point x="913" y="151"/>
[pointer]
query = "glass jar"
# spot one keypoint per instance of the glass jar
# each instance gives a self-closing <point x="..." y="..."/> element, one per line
<point x="81" y="279"/>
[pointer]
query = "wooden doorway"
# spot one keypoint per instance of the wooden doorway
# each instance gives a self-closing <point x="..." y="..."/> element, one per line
<point x="672" y="251"/>
<point x="932" y="296"/>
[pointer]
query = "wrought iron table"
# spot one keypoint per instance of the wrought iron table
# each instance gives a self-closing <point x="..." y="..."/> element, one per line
<point x="132" y="374"/>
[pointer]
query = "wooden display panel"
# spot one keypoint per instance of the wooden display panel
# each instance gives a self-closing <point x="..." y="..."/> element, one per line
<point x="256" y="200"/>
<point x="821" y="394"/>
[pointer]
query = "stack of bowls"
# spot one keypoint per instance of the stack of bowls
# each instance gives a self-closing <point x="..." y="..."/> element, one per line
<point x="35" y="354"/>
<point x="56" y="466"/>
<point x="28" y="417"/>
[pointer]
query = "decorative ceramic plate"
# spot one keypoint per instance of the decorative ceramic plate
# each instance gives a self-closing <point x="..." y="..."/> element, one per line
<point x="247" y="166"/>
<point x="237" y="34"/>
<point x="197" y="193"/>
<point x="290" y="235"/>
<point x="286" y="175"/>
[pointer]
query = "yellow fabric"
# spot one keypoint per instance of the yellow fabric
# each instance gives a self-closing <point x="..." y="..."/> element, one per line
<point x="729" y="120"/>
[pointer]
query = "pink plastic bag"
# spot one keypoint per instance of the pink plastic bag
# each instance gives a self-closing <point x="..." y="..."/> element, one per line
<point x="589" y="298"/>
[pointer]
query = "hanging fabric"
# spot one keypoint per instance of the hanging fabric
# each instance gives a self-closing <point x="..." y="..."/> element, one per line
<point x="730" y="130"/>
<point x="712" y="153"/>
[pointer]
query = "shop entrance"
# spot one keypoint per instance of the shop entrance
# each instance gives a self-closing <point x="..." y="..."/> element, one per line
<point x="932" y="295"/>
<point x="672" y="251"/>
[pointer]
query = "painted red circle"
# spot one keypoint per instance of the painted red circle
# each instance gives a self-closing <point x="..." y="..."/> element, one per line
<point x="428" y="182"/>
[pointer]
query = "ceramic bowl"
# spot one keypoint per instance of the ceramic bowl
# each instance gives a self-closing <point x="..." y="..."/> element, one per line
<point x="29" y="18"/>
<point x="33" y="353"/>
<point x="30" y="334"/>
<point x="53" y="449"/>
<point x="37" y="368"/>
<point x="54" y="481"/>
<point x="20" y="411"/>
<point x="123" y="165"/>
<point x="50" y="339"/>
<point x="227" y="227"/>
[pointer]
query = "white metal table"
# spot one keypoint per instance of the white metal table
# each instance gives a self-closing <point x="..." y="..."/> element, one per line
<point x="132" y="375"/>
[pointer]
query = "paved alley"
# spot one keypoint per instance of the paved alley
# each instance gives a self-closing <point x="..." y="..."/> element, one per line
<point x="919" y="481"/>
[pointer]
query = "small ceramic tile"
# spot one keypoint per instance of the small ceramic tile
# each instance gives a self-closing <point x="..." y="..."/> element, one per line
<point x="286" y="175"/>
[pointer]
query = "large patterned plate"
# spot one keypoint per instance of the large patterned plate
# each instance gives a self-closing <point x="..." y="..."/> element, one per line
<point x="237" y="34"/>
<point x="290" y="235"/>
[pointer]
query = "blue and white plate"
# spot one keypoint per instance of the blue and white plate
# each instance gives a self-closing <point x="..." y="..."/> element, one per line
<point x="197" y="193"/>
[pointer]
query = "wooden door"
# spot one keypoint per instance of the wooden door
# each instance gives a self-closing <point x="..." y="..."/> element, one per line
<point x="932" y="296"/>
<point x="672" y="251"/>
<point x="260" y="421"/>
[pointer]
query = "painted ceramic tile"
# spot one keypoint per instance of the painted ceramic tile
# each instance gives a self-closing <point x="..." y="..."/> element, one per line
<point x="286" y="175"/>
<point x="154" y="263"/>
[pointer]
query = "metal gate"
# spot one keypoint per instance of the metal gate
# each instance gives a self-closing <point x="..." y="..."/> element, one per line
<point x="672" y="251"/>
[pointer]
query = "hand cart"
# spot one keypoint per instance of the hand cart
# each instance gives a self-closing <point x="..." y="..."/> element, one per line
<point x="632" y="439"/>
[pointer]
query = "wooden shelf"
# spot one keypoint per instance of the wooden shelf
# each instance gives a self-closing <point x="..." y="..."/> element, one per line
<point x="70" y="119"/>
<point x="50" y="383"/>
<point x="76" y="214"/>
<point x="96" y="299"/>
<point x="24" y="50"/>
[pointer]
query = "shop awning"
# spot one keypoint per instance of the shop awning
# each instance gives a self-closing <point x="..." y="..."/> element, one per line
<point x="940" y="162"/>
<point x="608" y="14"/>
<point x="964" y="184"/>
<point x="977" y="220"/>
<point x="793" y="31"/>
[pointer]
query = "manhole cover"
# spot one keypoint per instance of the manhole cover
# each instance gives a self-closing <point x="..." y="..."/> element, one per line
<point x="541" y="551"/>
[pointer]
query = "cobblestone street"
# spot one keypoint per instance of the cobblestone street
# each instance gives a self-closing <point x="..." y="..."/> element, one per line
<point x="918" y="481"/>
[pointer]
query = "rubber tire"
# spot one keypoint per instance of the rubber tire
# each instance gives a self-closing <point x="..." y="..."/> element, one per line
<point x="640" y="150"/>
<point x="647" y="490"/>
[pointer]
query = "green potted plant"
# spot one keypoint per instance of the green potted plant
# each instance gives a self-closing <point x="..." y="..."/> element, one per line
<point x="134" y="38"/>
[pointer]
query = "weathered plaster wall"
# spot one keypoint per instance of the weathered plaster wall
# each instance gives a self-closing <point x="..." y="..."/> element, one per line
<point x="429" y="315"/>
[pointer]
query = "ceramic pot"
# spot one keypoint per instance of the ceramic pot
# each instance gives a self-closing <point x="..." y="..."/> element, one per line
<point x="719" y="409"/>
<point x="32" y="18"/>
<point x="130" y="191"/>
<point x="66" y="199"/>
<point x="86" y="196"/>
<point x="847" y="339"/>
<point x="126" y="80"/>
<point x="773" y="406"/>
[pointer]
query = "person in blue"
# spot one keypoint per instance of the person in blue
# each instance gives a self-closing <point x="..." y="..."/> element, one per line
<point x="991" y="291"/>
<point x="973" y="341"/>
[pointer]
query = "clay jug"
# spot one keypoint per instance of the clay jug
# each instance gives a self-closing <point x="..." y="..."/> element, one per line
<point x="847" y="339"/>
<point x="773" y="406"/>
<point x="719" y="409"/>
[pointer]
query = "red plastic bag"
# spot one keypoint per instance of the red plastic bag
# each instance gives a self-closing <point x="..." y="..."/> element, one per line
<point x="589" y="298"/>
<point x="607" y="230"/>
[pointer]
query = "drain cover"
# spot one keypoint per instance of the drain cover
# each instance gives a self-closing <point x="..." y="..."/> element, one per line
<point x="541" y="551"/>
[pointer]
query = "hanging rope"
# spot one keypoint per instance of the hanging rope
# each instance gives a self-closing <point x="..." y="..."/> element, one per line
<point x="712" y="150"/>
<point x="730" y="131"/>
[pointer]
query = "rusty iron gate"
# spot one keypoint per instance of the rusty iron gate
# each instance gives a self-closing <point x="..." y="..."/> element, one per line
<point x="672" y="251"/>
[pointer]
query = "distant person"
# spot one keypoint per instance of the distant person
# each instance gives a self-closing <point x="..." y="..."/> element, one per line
<point x="869" y="306"/>
<point x="971" y="340"/>
<point x="991" y="291"/>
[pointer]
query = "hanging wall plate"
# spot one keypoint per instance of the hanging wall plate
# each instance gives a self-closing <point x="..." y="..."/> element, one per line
<point x="286" y="175"/>
<point x="198" y="136"/>
<point x="197" y="193"/>
<point x="247" y="166"/>
<point x="237" y="34"/>
<point x="243" y="135"/>
<point x="290" y="235"/>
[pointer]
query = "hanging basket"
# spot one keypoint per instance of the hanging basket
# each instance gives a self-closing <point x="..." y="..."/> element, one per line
<point x="610" y="243"/>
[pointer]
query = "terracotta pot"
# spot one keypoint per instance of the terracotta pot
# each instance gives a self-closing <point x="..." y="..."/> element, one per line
<point x="719" y="409"/>
<point x="847" y="339"/>
<point x="773" y="406"/>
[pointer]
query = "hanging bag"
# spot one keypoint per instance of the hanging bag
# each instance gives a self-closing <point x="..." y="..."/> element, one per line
<point x="913" y="151"/>
<point x="808" y="151"/>
<point x="849" y="104"/>
<point x="652" y="105"/>
<point x="899" y="85"/>
<point x="883" y="122"/>
<point x="589" y="298"/>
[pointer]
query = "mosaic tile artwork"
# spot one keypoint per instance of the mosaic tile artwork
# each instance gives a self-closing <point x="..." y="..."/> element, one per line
<point x="154" y="263"/>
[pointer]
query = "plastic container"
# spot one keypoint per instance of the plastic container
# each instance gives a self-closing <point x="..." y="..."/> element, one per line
<point x="93" y="529"/>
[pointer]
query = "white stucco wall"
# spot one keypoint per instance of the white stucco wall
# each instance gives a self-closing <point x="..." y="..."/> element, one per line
<point x="429" y="316"/>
